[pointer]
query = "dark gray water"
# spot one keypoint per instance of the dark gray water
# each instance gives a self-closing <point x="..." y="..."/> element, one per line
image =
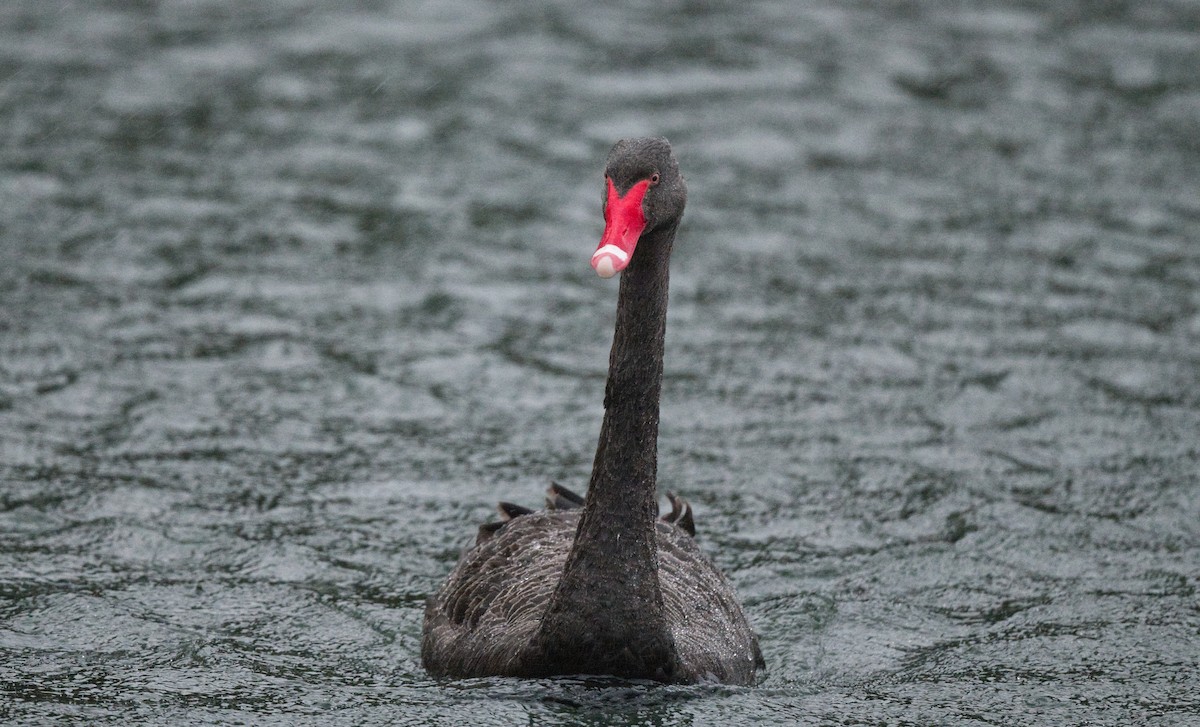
<point x="291" y="292"/>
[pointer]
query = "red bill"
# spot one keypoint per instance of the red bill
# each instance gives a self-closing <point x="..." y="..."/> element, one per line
<point x="623" y="225"/>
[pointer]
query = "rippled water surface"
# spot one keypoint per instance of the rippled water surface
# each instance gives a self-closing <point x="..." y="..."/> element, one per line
<point x="292" y="292"/>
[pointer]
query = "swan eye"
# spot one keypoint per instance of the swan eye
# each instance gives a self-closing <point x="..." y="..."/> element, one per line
<point x="654" y="179"/>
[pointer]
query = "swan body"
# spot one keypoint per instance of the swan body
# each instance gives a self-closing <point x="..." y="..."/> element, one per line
<point x="603" y="585"/>
<point x="489" y="610"/>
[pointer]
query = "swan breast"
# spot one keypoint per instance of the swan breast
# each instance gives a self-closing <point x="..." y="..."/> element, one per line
<point x="489" y="610"/>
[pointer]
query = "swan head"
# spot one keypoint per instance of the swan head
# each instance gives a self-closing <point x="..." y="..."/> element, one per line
<point x="644" y="191"/>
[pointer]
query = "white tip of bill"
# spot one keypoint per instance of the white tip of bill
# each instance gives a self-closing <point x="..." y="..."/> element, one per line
<point x="604" y="266"/>
<point x="609" y="260"/>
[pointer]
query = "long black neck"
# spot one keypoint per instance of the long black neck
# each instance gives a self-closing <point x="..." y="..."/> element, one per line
<point x="618" y="518"/>
<point x="607" y="610"/>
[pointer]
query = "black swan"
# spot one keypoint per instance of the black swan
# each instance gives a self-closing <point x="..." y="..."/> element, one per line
<point x="604" y="586"/>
